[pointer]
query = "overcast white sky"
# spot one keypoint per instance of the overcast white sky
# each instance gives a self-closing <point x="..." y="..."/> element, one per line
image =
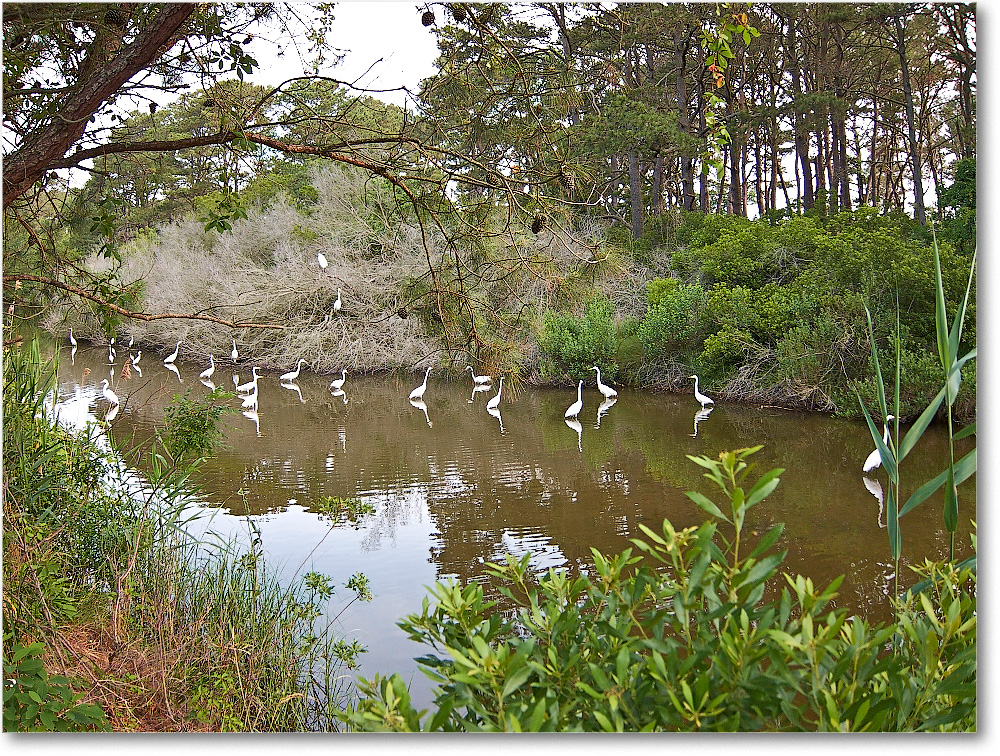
<point x="386" y="34"/>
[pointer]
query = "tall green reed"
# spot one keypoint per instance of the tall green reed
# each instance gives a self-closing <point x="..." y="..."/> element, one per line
<point x="895" y="451"/>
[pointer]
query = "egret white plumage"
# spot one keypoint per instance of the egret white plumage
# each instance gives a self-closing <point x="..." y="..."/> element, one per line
<point x="111" y="355"/>
<point x="291" y="375"/>
<point x="250" y="400"/>
<point x="480" y="380"/>
<point x="321" y="259"/>
<point x="207" y="372"/>
<point x="421" y="405"/>
<point x="575" y="407"/>
<point x="700" y="396"/>
<point x="338" y="383"/>
<point x="875" y="458"/>
<point x="234" y="354"/>
<point x="169" y="359"/>
<point x="495" y="401"/>
<point x="418" y="392"/>
<point x="110" y="395"/>
<point x="250" y="385"/>
<point x="603" y="409"/>
<point x="72" y="339"/>
<point x="136" y="357"/>
<point x="609" y="393"/>
<point x="337" y="304"/>
<point x="131" y="340"/>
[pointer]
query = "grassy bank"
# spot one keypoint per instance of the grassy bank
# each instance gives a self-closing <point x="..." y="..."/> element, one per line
<point x="116" y="617"/>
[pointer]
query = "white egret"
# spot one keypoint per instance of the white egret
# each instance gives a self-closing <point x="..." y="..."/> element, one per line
<point x="111" y="355"/>
<point x="110" y="395"/>
<point x="251" y="399"/>
<point x="131" y="340"/>
<point x="234" y="354"/>
<point x="112" y="413"/>
<point x="321" y="259"/>
<point x="72" y="339"/>
<point x="609" y="393"/>
<point x="875" y="458"/>
<point x="575" y="407"/>
<point x="169" y="359"/>
<point x="495" y="401"/>
<point x="206" y="374"/>
<point x="291" y="375"/>
<point x="136" y="357"/>
<point x="338" y="384"/>
<point x="337" y="304"/>
<point x="480" y="380"/>
<point x="250" y="385"/>
<point x="418" y="392"/>
<point x="700" y="396"/>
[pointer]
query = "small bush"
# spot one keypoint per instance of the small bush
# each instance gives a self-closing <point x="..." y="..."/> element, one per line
<point x="572" y="345"/>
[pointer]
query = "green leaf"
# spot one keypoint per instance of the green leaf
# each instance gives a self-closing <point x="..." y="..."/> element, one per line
<point x="917" y="429"/>
<point x="964" y="468"/>
<point x="940" y="315"/>
<point x="707" y="504"/>
<point x="967" y="431"/>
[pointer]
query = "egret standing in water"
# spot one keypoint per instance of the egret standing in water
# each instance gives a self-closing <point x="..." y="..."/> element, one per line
<point x="479" y="380"/>
<point x="495" y="401"/>
<point x="206" y="374"/>
<point x="250" y="385"/>
<point x="234" y="354"/>
<point x="110" y="395"/>
<point x="338" y="384"/>
<point x="72" y="339"/>
<point x="609" y="393"/>
<point x="700" y="396"/>
<point x="575" y="407"/>
<point x="169" y="359"/>
<point x="875" y="458"/>
<point x="418" y="392"/>
<point x="293" y="374"/>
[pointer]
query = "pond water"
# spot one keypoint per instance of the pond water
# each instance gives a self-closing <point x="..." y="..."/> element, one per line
<point x="453" y="486"/>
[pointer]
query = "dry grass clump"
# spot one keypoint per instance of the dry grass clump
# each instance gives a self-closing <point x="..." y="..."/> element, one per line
<point x="265" y="271"/>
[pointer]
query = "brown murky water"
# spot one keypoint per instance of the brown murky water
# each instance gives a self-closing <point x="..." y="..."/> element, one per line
<point x="454" y="486"/>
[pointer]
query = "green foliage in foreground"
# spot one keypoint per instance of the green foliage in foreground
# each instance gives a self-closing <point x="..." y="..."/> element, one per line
<point x="241" y="650"/>
<point x="35" y="702"/>
<point x="692" y="645"/>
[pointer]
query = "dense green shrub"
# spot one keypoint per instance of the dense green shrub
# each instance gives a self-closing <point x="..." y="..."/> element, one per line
<point x="673" y="312"/>
<point x="572" y="345"/>
<point x="692" y="645"/>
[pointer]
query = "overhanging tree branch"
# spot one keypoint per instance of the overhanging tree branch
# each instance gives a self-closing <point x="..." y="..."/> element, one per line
<point x="26" y="165"/>
<point x="90" y="296"/>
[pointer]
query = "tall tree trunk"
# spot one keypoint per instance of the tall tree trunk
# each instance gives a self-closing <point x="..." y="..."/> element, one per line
<point x="635" y="194"/>
<point x="911" y="131"/>
<point x="682" y="41"/>
<point x="799" y="123"/>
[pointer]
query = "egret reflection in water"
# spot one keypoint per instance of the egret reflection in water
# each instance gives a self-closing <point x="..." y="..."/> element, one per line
<point x="112" y="413"/>
<point x="700" y="415"/>
<point x="293" y="387"/>
<point x="339" y="393"/>
<point x="602" y="410"/>
<point x="173" y="369"/>
<point x="495" y="412"/>
<point x="875" y="489"/>
<point x="478" y="389"/>
<point x="578" y="427"/>
<point x="421" y="405"/>
<point x="252" y="415"/>
<point x="206" y="382"/>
